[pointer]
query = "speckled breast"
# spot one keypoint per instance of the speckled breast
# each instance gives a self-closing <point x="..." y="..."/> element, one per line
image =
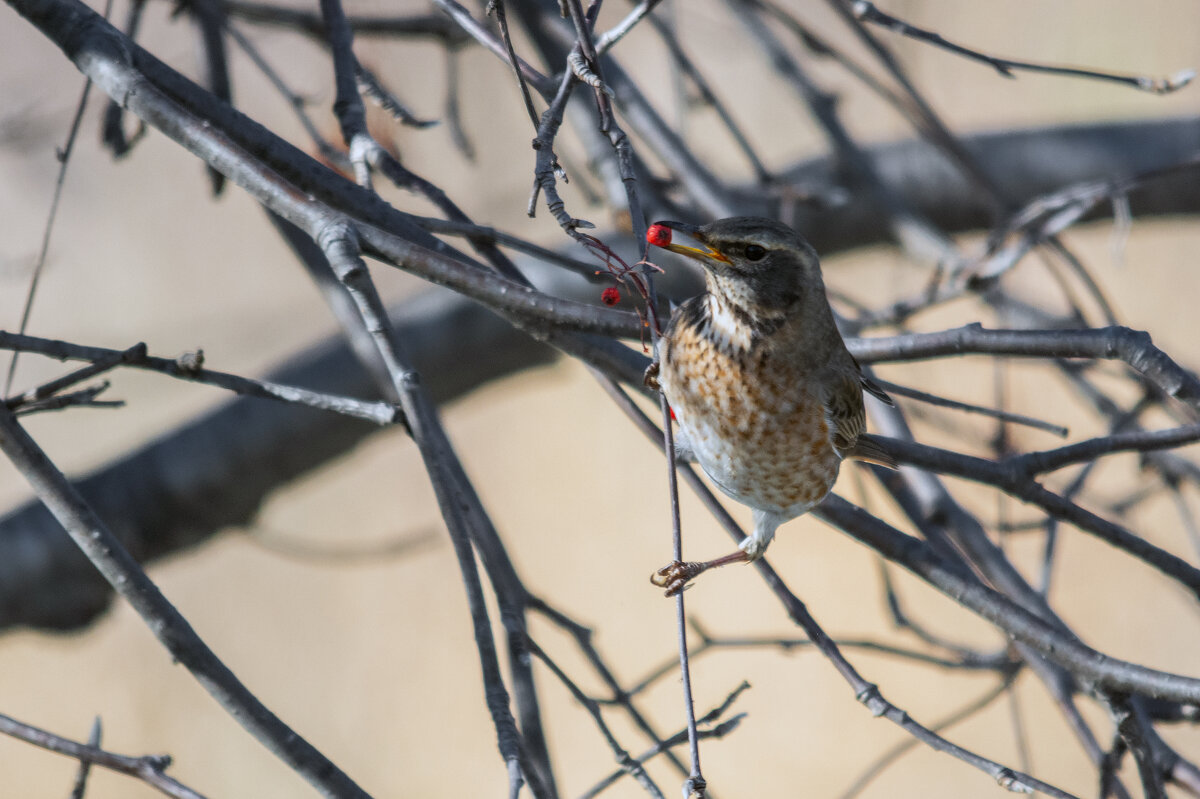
<point x="757" y="429"/>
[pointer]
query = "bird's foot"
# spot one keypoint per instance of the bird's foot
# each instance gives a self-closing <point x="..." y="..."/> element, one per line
<point x="650" y="376"/>
<point x="674" y="577"/>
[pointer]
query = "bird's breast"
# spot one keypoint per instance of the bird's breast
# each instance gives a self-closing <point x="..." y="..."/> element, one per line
<point x="757" y="425"/>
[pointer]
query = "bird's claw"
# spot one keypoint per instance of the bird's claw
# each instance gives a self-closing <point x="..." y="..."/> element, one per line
<point x="650" y="377"/>
<point x="674" y="577"/>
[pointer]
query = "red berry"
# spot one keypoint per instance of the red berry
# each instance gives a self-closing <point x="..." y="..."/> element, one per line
<point x="659" y="235"/>
<point x="610" y="296"/>
<point x="672" y="410"/>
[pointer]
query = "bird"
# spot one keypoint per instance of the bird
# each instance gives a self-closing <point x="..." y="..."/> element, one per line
<point x="766" y="397"/>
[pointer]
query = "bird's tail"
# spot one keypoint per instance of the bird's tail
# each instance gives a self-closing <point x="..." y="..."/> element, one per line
<point x="871" y="449"/>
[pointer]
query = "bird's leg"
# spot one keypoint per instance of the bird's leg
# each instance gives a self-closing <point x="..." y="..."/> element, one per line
<point x="674" y="577"/>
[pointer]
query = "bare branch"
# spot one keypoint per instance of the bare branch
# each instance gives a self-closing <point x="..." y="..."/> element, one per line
<point x="435" y="26"/>
<point x="371" y="86"/>
<point x="609" y="38"/>
<point x="148" y="768"/>
<point x="64" y="159"/>
<point x="899" y="750"/>
<point x="98" y="367"/>
<point x="84" y="397"/>
<point x="967" y="407"/>
<point x="718" y="731"/>
<point x="123" y="573"/>
<point x="380" y="413"/>
<point x="85" y="766"/>
<point x="476" y="31"/>
<point x="1081" y="660"/>
<point x="497" y="7"/>
<point x="629" y="765"/>
<point x="867" y="12"/>
<point x="1133" y="347"/>
<point x="522" y="750"/>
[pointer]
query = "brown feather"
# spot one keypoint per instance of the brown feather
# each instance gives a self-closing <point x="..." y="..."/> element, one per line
<point x="844" y="409"/>
<point x="869" y="449"/>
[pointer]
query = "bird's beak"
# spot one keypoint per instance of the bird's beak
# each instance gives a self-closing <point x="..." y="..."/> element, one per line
<point x="696" y="253"/>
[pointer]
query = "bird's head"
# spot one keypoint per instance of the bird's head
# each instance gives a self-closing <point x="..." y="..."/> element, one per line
<point x="756" y="263"/>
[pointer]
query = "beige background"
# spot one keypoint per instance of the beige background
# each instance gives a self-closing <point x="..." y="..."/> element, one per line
<point x="374" y="663"/>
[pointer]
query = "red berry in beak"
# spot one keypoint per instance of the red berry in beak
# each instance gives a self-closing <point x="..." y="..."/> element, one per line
<point x="659" y="235"/>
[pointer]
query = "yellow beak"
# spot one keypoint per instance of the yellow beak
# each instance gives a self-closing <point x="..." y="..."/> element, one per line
<point x="696" y="253"/>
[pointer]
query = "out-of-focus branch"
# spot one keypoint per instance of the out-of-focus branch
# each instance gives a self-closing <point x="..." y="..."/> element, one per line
<point x="121" y="570"/>
<point x="435" y="26"/>
<point x="867" y="12"/>
<point x="1024" y="164"/>
<point x="157" y="499"/>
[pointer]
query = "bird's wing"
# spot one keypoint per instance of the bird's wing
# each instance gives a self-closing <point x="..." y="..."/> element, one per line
<point x="871" y="387"/>
<point x="844" y="411"/>
<point x="876" y="391"/>
<point x="848" y="423"/>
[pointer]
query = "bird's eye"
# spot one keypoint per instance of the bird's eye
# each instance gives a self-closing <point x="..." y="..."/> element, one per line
<point x="755" y="252"/>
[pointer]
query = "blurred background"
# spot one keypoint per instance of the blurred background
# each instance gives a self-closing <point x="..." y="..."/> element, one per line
<point x="373" y="661"/>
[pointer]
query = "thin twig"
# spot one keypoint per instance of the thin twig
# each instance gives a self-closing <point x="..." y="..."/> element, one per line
<point x="332" y="154"/>
<point x="1010" y="478"/>
<point x="871" y="772"/>
<point x="64" y="159"/>
<point x="85" y="766"/>
<point x="473" y="28"/>
<point x="629" y="764"/>
<point x="967" y="407"/>
<point x="189" y="368"/>
<point x="148" y="768"/>
<point x="84" y="397"/>
<point x="98" y="367"/>
<point x="968" y="661"/>
<point x="717" y="731"/>
<point x="609" y="38"/>
<point x="112" y="129"/>
<point x="372" y="87"/>
<point x="620" y="696"/>
<point x="497" y="7"/>
<point x="867" y="12"/>
<point x="1083" y="661"/>
<point x="435" y="26"/>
